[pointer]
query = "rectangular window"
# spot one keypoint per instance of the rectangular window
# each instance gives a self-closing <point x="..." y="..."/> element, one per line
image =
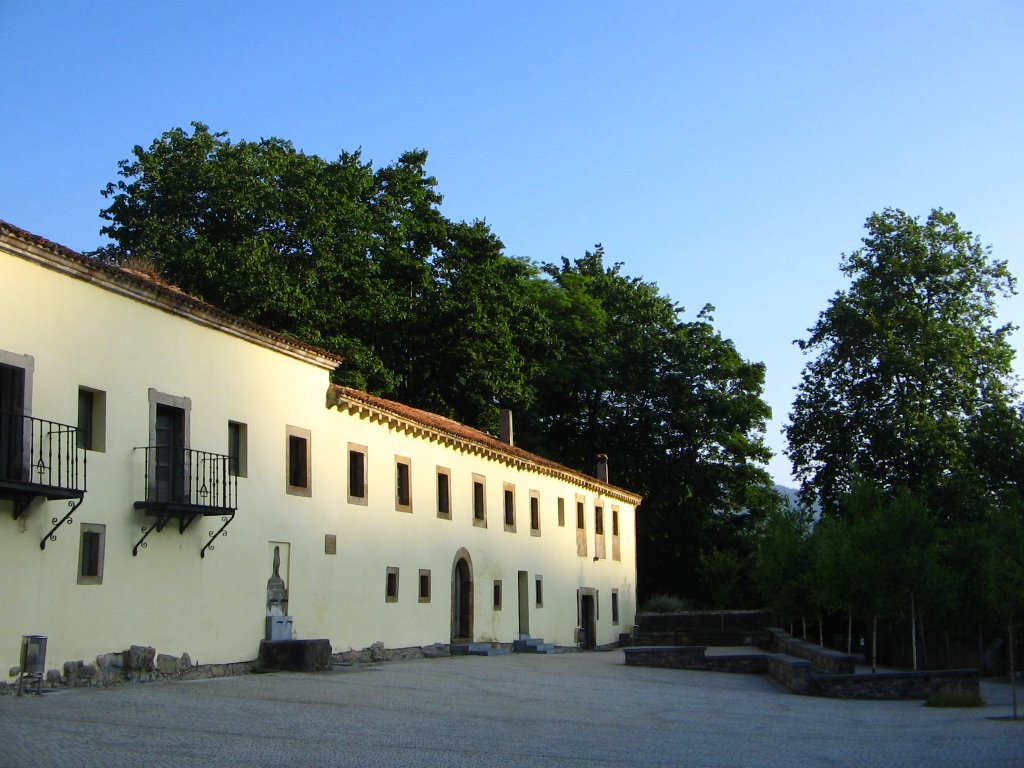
<point x="444" y="493"/>
<point x="299" y="479"/>
<point x="403" y="484"/>
<point x="479" y="501"/>
<point x="92" y="417"/>
<point x="90" y="553"/>
<point x="561" y="512"/>
<point x="539" y="590"/>
<point x="581" y="526"/>
<point x="357" y="474"/>
<point x="497" y="594"/>
<point x="391" y="586"/>
<point x="616" y="551"/>
<point x="615" y="606"/>
<point x="509" y="496"/>
<point x="534" y="513"/>
<point x="238" y="453"/>
<point x="424" y="585"/>
<point x="599" y="531"/>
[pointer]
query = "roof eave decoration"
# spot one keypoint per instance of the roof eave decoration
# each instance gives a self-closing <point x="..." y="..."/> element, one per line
<point x="132" y="285"/>
<point x="436" y="428"/>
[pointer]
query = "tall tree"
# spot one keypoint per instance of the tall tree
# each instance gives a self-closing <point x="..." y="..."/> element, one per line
<point x="905" y="363"/>
<point x="336" y="253"/>
<point x="673" y="404"/>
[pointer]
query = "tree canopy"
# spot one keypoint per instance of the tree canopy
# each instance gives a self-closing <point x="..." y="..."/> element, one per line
<point x="908" y="365"/>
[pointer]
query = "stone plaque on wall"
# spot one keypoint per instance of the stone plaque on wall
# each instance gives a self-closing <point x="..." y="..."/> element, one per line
<point x="330" y="544"/>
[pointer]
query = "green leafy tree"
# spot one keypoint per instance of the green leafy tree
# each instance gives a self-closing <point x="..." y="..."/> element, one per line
<point x="784" y="560"/>
<point x="673" y="404"/>
<point x="336" y="253"/>
<point x="1003" y="570"/>
<point x="906" y="362"/>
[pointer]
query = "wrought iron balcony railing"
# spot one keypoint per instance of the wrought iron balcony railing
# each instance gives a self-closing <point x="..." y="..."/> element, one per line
<point x="40" y="455"/>
<point x="188" y="478"/>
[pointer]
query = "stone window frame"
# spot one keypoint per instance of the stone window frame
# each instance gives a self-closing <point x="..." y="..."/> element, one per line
<point x="538" y="590"/>
<point x="535" y="513"/>
<point x="446" y="473"/>
<point x="497" y="594"/>
<point x="358" y="450"/>
<point x="599" y="540"/>
<point x="616" y="548"/>
<point x="391" y="584"/>
<point x="508" y="506"/>
<point x="238" y="448"/>
<point x="293" y="435"/>
<point x="403" y="462"/>
<point x="96" y="430"/>
<point x="479" y="501"/>
<point x="581" y="525"/>
<point x="100" y="531"/>
<point x="424" y="581"/>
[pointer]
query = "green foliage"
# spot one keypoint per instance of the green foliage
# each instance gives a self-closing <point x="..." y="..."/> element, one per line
<point x="783" y="564"/>
<point x="672" y="402"/>
<point x="907" y="364"/>
<point x="721" y="572"/>
<point x="948" y="696"/>
<point x="662" y="602"/>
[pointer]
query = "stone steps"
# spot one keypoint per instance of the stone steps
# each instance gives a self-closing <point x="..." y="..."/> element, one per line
<point x="532" y="645"/>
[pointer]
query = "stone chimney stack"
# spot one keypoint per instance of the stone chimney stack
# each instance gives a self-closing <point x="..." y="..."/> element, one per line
<point x="602" y="467"/>
<point x="506" y="427"/>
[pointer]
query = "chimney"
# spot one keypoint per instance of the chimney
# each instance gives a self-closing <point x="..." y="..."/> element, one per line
<point x="602" y="467"/>
<point x="506" y="426"/>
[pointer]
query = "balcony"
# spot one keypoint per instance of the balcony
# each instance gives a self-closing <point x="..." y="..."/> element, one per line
<point x="185" y="484"/>
<point x="39" y="457"/>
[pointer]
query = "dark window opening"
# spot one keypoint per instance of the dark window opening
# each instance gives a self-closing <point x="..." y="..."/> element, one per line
<point x="510" y="508"/>
<point x="534" y="513"/>
<point x="497" y="595"/>
<point x="298" y="469"/>
<point x="444" y="503"/>
<point x="356" y="474"/>
<point x="478" y="500"/>
<point x="599" y="521"/>
<point x="403" y="494"/>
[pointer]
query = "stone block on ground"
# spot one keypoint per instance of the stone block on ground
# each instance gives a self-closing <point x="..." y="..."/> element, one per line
<point x="296" y="655"/>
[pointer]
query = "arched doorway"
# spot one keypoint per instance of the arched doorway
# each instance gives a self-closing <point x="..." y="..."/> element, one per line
<point x="462" y="597"/>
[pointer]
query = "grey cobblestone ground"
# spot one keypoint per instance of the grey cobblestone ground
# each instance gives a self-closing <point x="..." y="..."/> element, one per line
<point x="519" y="710"/>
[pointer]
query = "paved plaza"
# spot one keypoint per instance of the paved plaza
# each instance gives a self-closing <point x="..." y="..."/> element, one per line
<point x="517" y="710"/>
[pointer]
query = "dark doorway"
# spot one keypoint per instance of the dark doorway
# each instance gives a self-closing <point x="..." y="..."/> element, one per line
<point x="168" y="483"/>
<point x="12" y="423"/>
<point x="588" y="622"/>
<point x="462" y="598"/>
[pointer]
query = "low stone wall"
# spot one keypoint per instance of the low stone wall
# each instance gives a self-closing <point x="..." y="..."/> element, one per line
<point x="895" y="685"/>
<point x="833" y="662"/>
<point x="377" y="653"/>
<point x="694" y="657"/>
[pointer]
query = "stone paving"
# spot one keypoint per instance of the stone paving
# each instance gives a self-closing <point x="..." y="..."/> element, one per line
<point x="516" y="710"/>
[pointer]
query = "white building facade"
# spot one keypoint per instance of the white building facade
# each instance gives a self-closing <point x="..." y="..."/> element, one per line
<point x="170" y="475"/>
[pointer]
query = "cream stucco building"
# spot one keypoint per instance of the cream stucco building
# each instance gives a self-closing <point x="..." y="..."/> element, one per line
<point x="160" y="460"/>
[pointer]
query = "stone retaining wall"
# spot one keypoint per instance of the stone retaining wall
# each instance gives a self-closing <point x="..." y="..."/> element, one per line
<point x="895" y="685"/>
<point x="833" y="662"/>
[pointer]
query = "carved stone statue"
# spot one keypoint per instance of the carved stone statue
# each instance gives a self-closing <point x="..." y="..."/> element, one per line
<point x="277" y="592"/>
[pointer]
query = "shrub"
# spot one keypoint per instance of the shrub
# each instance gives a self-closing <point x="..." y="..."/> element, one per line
<point x="947" y="696"/>
<point x="663" y="602"/>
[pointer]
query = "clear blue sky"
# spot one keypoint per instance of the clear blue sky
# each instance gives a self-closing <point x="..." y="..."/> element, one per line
<point x="728" y="151"/>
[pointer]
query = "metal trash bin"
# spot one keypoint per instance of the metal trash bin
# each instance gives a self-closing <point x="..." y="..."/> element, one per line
<point x="33" y="662"/>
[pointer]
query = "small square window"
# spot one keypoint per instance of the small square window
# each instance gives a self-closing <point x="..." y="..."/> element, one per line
<point x="357" y="474"/>
<point x="444" y="493"/>
<point x="534" y="513"/>
<point x="238" y="454"/>
<point x="424" y="585"/>
<point x="479" y="501"/>
<point x="403" y="484"/>
<point x="90" y="553"/>
<point x="299" y="476"/>
<point x="561" y="512"/>
<point x="92" y="417"/>
<point x="497" y="594"/>
<point x="539" y="590"/>
<point x="509" y="496"/>
<point x="391" y="586"/>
